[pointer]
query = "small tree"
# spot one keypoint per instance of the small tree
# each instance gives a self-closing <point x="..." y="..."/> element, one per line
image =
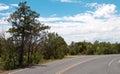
<point x="54" y="47"/>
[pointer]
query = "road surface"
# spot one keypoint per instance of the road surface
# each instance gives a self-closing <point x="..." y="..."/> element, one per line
<point x="102" y="64"/>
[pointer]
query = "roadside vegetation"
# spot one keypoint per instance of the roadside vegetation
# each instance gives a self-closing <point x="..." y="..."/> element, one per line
<point x="30" y="42"/>
<point x="96" y="48"/>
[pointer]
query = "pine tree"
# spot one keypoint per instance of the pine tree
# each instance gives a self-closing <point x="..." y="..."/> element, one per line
<point x="26" y="32"/>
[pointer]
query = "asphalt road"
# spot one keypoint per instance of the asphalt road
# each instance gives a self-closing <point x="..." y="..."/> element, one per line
<point x="104" y="64"/>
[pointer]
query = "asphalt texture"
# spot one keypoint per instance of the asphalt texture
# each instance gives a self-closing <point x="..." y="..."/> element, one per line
<point x="92" y="64"/>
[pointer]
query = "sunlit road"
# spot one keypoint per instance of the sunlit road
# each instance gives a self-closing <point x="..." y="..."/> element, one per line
<point x="103" y="64"/>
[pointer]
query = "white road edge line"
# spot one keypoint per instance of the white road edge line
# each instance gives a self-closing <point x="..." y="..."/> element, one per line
<point x="15" y="71"/>
<point x="112" y="61"/>
<point x="119" y="61"/>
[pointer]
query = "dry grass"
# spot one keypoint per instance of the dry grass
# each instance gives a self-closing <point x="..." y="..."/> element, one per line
<point x="70" y="56"/>
<point x="43" y="61"/>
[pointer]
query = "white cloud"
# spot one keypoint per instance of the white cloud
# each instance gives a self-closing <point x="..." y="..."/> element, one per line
<point x="85" y="26"/>
<point x="92" y="4"/>
<point x="3" y="29"/>
<point x="4" y="26"/>
<point x="69" y="1"/>
<point x="102" y="10"/>
<point x="3" y="7"/>
<point x="42" y="19"/>
<point x="53" y="15"/>
<point x="105" y="10"/>
<point x="15" y="5"/>
<point x="66" y="0"/>
<point x="3" y="21"/>
<point x="4" y="14"/>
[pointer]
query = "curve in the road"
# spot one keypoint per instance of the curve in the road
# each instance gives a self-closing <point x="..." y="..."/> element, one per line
<point x="71" y="66"/>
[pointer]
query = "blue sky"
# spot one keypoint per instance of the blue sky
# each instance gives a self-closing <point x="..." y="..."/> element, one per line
<point x="61" y="7"/>
<point x="75" y="20"/>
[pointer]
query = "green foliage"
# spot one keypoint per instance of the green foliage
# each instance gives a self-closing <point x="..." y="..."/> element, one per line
<point x="77" y="48"/>
<point x="8" y="56"/>
<point x="23" y="47"/>
<point x="90" y="50"/>
<point x="1" y="45"/>
<point x="94" y="48"/>
<point x="54" y="47"/>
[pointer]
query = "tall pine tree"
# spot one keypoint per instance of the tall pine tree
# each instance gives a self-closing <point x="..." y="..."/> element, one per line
<point x="26" y="32"/>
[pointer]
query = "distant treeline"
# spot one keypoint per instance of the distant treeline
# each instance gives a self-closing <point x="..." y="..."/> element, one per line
<point x="29" y="42"/>
<point x="96" y="48"/>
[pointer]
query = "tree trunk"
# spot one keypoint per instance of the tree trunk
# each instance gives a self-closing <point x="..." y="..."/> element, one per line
<point x="21" y="55"/>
